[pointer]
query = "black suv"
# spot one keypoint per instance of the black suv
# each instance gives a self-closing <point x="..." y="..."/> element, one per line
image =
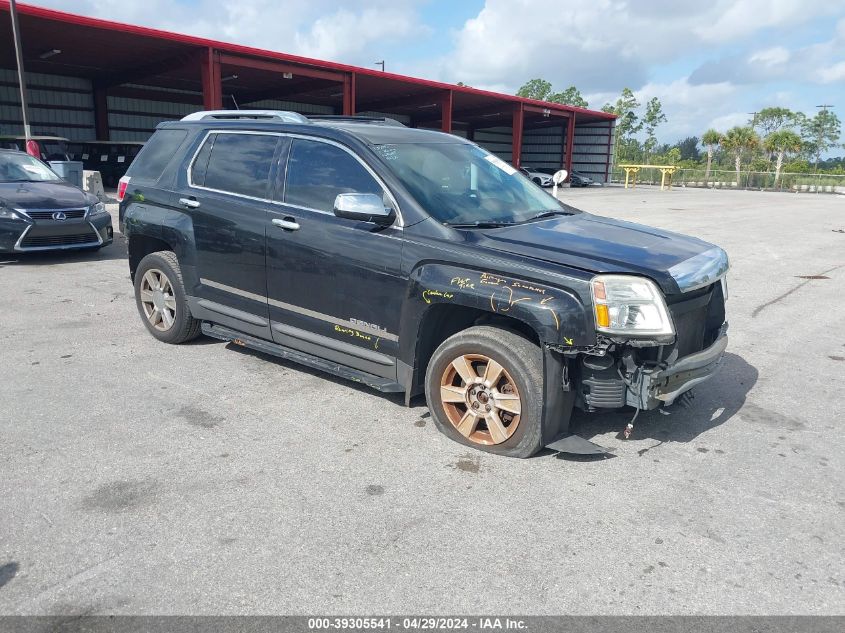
<point x="415" y="261"/>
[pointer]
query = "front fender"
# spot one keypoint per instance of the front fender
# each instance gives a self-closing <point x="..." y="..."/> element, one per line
<point x="555" y="314"/>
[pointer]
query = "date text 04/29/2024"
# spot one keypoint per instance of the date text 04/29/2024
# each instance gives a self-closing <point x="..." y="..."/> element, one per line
<point x="416" y="623"/>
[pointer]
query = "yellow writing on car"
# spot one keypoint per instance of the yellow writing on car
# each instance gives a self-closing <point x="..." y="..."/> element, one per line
<point x="462" y="282"/>
<point x="492" y="280"/>
<point x="348" y="331"/>
<point x="428" y="294"/>
<point x="525" y="286"/>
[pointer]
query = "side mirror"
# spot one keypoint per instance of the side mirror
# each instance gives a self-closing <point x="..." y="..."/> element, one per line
<point x="366" y="207"/>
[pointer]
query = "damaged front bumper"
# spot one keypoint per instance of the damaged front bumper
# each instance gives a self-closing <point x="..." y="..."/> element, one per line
<point x="662" y="386"/>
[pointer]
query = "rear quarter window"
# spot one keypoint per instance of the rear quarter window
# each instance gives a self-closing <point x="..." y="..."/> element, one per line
<point x="156" y="154"/>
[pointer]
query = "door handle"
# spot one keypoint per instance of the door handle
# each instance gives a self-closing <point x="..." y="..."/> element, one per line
<point x="189" y="202"/>
<point x="289" y="224"/>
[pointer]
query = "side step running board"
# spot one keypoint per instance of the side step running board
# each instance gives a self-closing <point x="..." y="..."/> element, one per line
<point x="274" y="349"/>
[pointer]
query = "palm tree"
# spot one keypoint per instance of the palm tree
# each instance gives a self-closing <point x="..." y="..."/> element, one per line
<point x="711" y="139"/>
<point x="781" y="142"/>
<point x="738" y="140"/>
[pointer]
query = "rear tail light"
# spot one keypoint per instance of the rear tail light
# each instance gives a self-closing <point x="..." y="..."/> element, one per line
<point x="122" y="184"/>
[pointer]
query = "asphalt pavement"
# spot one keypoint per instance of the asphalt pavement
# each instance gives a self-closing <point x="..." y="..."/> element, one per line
<point x="142" y="478"/>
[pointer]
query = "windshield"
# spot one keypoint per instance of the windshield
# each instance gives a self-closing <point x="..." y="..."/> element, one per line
<point x="21" y="167"/>
<point x="54" y="150"/>
<point x="462" y="184"/>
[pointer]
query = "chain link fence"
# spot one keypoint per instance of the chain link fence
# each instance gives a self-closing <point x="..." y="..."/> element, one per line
<point x="726" y="179"/>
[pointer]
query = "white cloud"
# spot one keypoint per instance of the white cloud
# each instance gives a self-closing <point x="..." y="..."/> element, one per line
<point x="690" y="108"/>
<point x="831" y="74"/>
<point x="727" y="121"/>
<point x="732" y="20"/>
<point x="341" y="34"/>
<point x="316" y="28"/>
<point x="770" y="56"/>
<point x="612" y="43"/>
<point x="818" y="62"/>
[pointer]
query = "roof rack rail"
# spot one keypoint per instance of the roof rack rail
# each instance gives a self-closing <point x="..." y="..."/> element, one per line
<point x="373" y="120"/>
<point x="236" y="115"/>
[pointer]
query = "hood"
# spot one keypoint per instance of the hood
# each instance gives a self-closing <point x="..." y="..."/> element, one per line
<point x="44" y="195"/>
<point x="604" y="245"/>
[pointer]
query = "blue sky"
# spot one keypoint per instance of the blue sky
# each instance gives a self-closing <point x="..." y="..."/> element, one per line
<point x="709" y="63"/>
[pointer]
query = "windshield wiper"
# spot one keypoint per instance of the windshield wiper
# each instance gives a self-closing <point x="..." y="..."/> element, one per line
<point x="479" y="225"/>
<point x="547" y="214"/>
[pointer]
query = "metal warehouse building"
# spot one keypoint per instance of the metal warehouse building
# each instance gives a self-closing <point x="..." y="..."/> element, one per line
<point x="92" y="79"/>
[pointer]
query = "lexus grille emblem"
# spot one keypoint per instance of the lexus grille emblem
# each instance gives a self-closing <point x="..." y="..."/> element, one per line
<point x="59" y="215"/>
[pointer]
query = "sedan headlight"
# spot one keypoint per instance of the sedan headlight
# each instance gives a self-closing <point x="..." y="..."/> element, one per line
<point x="97" y="209"/>
<point x="9" y="214"/>
<point x="625" y="304"/>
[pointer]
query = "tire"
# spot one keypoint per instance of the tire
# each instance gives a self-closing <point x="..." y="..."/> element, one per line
<point x="174" y="323"/>
<point x="522" y="375"/>
<point x="539" y="182"/>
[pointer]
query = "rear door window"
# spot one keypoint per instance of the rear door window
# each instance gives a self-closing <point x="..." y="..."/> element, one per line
<point x="155" y="155"/>
<point x="236" y="163"/>
<point x="317" y="172"/>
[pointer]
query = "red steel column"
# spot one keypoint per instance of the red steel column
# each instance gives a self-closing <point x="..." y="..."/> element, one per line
<point x="570" y="139"/>
<point x="446" y="112"/>
<point x="101" y="114"/>
<point x="212" y="87"/>
<point x="349" y="94"/>
<point x="518" y="115"/>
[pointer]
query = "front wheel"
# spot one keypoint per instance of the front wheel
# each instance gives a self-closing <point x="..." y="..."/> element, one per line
<point x="484" y="388"/>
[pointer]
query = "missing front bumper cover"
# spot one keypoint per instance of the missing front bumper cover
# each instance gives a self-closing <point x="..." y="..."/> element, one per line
<point x="664" y="386"/>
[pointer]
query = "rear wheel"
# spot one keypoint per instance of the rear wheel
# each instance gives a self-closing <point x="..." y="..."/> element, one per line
<point x="161" y="299"/>
<point x="484" y="387"/>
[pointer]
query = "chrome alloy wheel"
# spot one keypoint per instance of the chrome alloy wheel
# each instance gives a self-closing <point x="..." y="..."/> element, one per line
<point x="480" y="399"/>
<point x="158" y="300"/>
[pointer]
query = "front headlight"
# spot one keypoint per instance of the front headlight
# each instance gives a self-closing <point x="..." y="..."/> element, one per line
<point x="97" y="209"/>
<point x="625" y="304"/>
<point x="9" y="214"/>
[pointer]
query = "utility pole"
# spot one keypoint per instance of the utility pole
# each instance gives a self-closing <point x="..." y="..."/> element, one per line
<point x="381" y="63"/>
<point x="16" y="33"/>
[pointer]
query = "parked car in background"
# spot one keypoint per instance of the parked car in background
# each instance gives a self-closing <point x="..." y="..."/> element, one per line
<point x="576" y="178"/>
<point x="39" y="211"/>
<point x="580" y="179"/>
<point x="49" y="147"/>
<point x="415" y="261"/>
<point x="537" y="177"/>
<point x="110" y="158"/>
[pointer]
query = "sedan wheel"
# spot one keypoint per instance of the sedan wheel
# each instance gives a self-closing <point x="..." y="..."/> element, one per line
<point x="158" y="300"/>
